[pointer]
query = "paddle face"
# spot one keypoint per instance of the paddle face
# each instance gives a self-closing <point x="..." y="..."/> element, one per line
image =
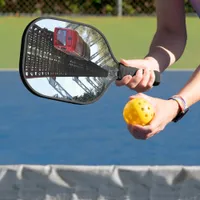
<point x="66" y="61"/>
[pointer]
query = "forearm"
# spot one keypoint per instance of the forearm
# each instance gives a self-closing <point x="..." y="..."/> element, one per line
<point x="166" y="48"/>
<point x="190" y="92"/>
<point x="170" y="38"/>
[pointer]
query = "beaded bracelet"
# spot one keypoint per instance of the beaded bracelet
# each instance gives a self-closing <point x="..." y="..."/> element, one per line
<point x="181" y="102"/>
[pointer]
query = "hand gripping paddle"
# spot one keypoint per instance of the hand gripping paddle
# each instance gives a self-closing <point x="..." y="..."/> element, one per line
<point x="69" y="61"/>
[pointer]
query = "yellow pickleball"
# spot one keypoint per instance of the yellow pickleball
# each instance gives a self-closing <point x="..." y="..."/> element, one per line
<point x="138" y="111"/>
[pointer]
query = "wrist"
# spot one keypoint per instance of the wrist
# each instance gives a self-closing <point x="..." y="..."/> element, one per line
<point x="163" y="56"/>
<point x="153" y="63"/>
<point x="175" y="108"/>
<point x="182" y="107"/>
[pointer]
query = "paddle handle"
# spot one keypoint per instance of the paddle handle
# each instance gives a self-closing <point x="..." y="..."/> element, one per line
<point x="123" y="71"/>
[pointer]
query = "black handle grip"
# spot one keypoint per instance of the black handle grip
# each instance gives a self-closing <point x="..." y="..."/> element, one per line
<point x="123" y="71"/>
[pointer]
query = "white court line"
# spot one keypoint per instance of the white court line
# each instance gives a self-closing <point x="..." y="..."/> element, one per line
<point x="170" y="70"/>
<point x="11" y="69"/>
<point x="178" y="70"/>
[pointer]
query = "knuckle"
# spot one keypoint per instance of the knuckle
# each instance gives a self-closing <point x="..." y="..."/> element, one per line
<point x="149" y="85"/>
<point x="143" y="84"/>
<point x="139" y="76"/>
<point x="146" y="71"/>
<point x="134" y="80"/>
<point x="131" y="86"/>
<point x="124" y="81"/>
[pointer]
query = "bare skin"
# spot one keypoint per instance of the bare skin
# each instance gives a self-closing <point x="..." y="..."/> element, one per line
<point x="166" y="110"/>
<point x="167" y="46"/>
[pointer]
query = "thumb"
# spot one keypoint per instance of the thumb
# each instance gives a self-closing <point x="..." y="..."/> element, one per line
<point x="131" y="63"/>
<point x="151" y="127"/>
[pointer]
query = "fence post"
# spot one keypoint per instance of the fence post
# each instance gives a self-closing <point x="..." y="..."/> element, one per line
<point x="119" y="7"/>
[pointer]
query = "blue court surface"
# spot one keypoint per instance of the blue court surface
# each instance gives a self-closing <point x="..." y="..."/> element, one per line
<point x="40" y="131"/>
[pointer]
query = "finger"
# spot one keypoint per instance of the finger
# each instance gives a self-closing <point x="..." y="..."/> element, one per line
<point x="139" y="135"/>
<point x="134" y="133"/>
<point x="146" y="132"/>
<point x="148" y="136"/>
<point x="136" y="79"/>
<point x="142" y="129"/>
<point x="131" y="63"/>
<point x="147" y="83"/>
<point x="124" y="81"/>
<point x="155" y="127"/>
<point x="146" y="76"/>
<point x="131" y="130"/>
<point x="151" y="79"/>
<point x="137" y="132"/>
<point x="155" y="132"/>
<point x="152" y="133"/>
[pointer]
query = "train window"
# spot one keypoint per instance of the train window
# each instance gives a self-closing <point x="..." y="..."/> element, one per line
<point x="61" y="37"/>
<point x="70" y="42"/>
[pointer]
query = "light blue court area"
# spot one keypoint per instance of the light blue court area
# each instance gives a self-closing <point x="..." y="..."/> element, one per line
<point x="40" y="131"/>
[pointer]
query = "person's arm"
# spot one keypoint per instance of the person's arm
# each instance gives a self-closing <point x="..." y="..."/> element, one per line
<point x="167" y="110"/>
<point x="166" y="48"/>
<point x="170" y="38"/>
<point x="191" y="91"/>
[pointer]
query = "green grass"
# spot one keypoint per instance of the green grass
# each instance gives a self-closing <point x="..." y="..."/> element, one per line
<point x="129" y="38"/>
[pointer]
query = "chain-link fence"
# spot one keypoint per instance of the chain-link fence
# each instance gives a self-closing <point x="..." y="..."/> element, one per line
<point x="80" y="7"/>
